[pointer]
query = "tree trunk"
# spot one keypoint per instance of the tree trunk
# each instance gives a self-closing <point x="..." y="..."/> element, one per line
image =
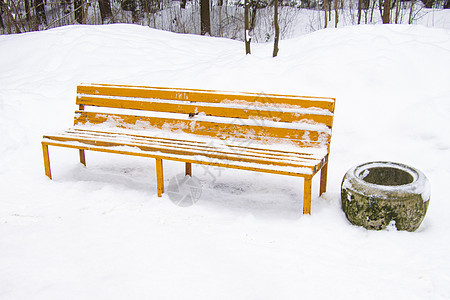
<point x="40" y="12"/>
<point x="336" y="18"/>
<point x="325" y="7"/>
<point x="27" y="11"/>
<point x="387" y="12"/>
<point x="447" y="4"/>
<point x="220" y="29"/>
<point x="254" y="5"/>
<point x="397" y="11"/>
<point x="247" y="27"/>
<point x="1" y="13"/>
<point x="277" y="29"/>
<point x="372" y="10"/>
<point x="329" y="10"/>
<point x="78" y="9"/>
<point x="105" y="10"/>
<point x="85" y="11"/>
<point x="205" y="18"/>
<point x="359" y="11"/>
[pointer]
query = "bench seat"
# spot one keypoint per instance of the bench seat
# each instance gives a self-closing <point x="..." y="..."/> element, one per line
<point x="219" y="153"/>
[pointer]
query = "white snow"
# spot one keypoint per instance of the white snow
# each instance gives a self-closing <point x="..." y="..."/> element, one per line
<point x="102" y="233"/>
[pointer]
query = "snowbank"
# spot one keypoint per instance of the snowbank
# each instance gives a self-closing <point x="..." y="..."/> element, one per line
<point x="101" y="233"/>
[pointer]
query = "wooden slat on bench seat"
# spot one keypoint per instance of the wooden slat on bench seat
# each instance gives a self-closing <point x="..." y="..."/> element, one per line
<point x="315" y="137"/>
<point x="205" y="95"/>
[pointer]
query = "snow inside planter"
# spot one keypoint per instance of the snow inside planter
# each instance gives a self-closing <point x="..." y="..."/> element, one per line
<point x="377" y="194"/>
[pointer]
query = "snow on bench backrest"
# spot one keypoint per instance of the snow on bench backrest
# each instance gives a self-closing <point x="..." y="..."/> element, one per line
<point x="267" y="118"/>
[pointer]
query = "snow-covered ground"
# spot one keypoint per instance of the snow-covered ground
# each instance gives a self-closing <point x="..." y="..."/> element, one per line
<point x="102" y="233"/>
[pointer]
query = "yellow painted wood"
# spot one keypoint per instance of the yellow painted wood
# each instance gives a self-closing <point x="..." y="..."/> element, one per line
<point x="192" y="147"/>
<point x="159" y="177"/>
<point x="319" y="165"/>
<point x="177" y="151"/>
<point x="120" y="86"/>
<point x="82" y="157"/>
<point x="323" y="179"/>
<point x="247" y="112"/>
<point x="205" y="95"/>
<point x="263" y="134"/>
<point x="192" y="144"/>
<point x="46" y="160"/>
<point x="190" y="159"/>
<point x="188" y="169"/>
<point x="307" y="196"/>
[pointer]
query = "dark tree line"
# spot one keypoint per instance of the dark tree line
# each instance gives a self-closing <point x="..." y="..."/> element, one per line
<point x="29" y="15"/>
<point x="227" y="18"/>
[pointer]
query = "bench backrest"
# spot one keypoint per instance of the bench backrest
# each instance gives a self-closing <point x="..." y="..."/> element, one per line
<point x="305" y="121"/>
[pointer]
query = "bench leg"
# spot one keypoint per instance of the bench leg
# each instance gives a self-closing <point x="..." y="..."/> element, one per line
<point x="159" y="176"/>
<point x="323" y="179"/>
<point x="82" y="157"/>
<point x="189" y="169"/>
<point x="46" y="161"/>
<point x="307" y="196"/>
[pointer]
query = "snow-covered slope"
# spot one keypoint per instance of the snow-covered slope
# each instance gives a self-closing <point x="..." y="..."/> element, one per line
<point x="101" y="233"/>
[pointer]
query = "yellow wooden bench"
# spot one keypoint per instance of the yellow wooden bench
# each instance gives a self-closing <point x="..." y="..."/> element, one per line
<point x="269" y="133"/>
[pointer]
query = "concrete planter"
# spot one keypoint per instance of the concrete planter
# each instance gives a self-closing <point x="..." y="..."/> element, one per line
<point x="376" y="193"/>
